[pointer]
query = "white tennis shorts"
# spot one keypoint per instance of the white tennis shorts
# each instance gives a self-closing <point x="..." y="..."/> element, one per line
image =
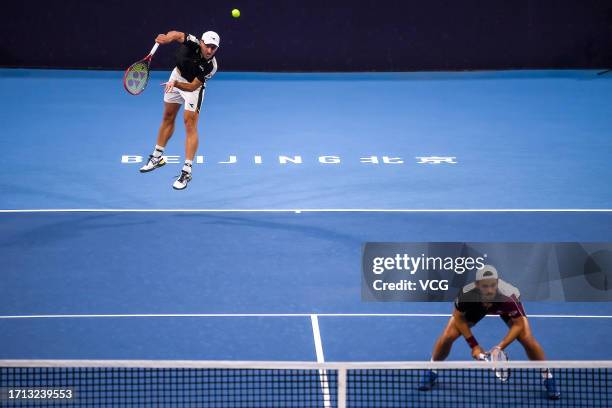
<point x="192" y="100"/>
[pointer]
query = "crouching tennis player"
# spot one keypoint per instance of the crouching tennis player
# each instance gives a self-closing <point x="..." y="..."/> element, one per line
<point x="489" y="295"/>
<point x="195" y="64"/>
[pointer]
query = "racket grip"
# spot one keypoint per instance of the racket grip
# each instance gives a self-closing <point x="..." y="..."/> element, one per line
<point x="154" y="49"/>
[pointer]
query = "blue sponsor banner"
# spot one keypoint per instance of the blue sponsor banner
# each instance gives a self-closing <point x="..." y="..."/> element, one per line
<point x="437" y="271"/>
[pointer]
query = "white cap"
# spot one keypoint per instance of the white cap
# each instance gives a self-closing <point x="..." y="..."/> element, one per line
<point x="210" y="37"/>
<point x="486" y="272"/>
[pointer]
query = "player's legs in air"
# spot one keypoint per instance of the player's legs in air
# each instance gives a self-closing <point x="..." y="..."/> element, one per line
<point x="166" y="129"/>
<point x="173" y="99"/>
<point x="191" y="146"/>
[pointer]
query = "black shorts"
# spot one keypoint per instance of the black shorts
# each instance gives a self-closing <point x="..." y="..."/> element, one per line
<point x="472" y="320"/>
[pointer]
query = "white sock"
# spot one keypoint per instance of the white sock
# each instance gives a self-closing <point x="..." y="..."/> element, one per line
<point x="187" y="166"/>
<point x="158" y="151"/>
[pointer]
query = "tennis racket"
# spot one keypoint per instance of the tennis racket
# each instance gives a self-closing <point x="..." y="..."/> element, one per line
<point x="604" y="72"/>
<point x="497" y="356"/>
<point x="136" y="76"/>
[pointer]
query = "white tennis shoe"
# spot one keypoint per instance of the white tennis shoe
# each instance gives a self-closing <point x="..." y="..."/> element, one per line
<point x="153" y="163"/>
<point x="182" y="181"/>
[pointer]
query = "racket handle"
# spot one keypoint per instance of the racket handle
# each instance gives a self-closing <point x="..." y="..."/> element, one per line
<point x="154" y="49"/>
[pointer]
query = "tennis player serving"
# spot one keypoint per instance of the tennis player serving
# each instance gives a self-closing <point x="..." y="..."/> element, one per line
<point x="195" y="64"/>
<point x="488" y="295"/>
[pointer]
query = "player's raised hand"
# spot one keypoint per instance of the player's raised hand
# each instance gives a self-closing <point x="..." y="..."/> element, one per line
<point x="163" y="39"/>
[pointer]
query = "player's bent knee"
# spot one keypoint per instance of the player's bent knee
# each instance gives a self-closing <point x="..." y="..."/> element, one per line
<point x="449" y="336"/>
<point x="451" y="331"/>
<point x="526" y="338"/>
<point x="452" y="338"/>
<point x="190" y="120"/>
<point x="191" y="127"/>
<point x="169" y="117"/>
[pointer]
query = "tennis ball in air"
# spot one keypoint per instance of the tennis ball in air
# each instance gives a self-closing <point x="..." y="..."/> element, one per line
<point x="235" y="13"/>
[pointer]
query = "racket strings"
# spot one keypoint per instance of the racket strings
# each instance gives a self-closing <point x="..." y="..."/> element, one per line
<point x="498" y="355"/>
<point x="137" y="77"/>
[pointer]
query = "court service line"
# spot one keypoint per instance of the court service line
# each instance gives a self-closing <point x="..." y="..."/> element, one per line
<point x="317" y="338"/>
<point x="159" y="315"/>
<point x="305" y="210"/>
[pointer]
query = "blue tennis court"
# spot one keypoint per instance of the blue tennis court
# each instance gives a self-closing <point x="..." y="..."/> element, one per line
<point x="259" y="259"/>
<point x="341" y="178"/>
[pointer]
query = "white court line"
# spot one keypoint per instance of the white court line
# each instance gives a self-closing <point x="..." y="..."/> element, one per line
<point x="317" y="338"/>
<point x="93" y="316"/>
<point x="316" y="333"/>
<point x="304" y="210"/>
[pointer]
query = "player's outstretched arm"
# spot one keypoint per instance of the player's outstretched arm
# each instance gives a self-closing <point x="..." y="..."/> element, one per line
<point x="183" y="86"/>
<point x="169" y="37"/>
<point x="188" y="87"/>
<point x="463" y="327"/>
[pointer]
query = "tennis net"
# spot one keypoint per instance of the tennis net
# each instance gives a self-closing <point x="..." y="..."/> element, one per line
<point x="123" y="383"/>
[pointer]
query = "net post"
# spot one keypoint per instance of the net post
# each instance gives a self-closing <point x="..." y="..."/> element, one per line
<point x="342" y="388"/>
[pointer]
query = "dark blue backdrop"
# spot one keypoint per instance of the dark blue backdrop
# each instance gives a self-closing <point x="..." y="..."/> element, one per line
<point x="316" y="35"/>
